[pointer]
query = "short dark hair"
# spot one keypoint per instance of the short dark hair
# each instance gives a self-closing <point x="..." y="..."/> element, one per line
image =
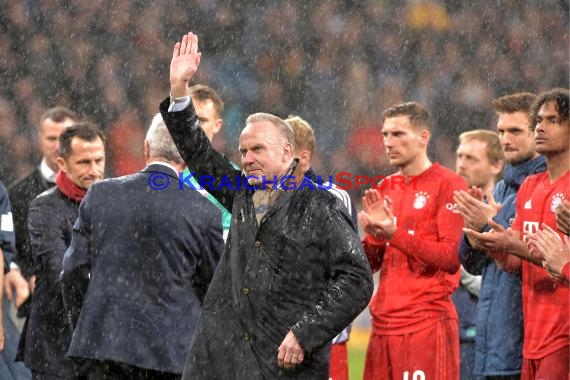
<point x="561" y="99"/>
<point x="202" y="93"/>
<point x="518" y="102"/>
<point x="58" y="114"/>
<point x="419" y="116"/>
<point x="84" y="130"/>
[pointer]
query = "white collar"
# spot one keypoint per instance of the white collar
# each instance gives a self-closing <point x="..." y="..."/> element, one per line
<point x="47" y="173"/>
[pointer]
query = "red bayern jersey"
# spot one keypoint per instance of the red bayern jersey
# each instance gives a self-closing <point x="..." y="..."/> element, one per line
<point x="546" y="301"/>
<point x="419" y="265"/>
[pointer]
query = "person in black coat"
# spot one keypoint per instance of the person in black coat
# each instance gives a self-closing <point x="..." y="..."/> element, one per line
<point x="294" y="273"/>
<point x="143" y="253"/>
<point x="22" y="193"/>
<point x="46" y="334"/>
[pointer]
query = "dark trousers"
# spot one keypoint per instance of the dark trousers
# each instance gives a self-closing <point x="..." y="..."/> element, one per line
<point x="108" y="370"/>
<point x="46" y="376"/>
<point x="9" y="368"/>
<point x="467" y="360"/>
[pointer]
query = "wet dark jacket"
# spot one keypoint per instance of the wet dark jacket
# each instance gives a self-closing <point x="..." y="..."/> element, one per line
<point x="47" y="333"/>
<point x="499" y="321"/>
<point x="303" y="269"/>
<point x="22" y="193"/>
<point x="137" y="270"/>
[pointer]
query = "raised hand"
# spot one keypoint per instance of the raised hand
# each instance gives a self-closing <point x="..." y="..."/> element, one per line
<point x="184" y="64"/>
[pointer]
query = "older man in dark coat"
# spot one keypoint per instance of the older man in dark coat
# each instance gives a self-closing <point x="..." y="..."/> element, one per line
<point x="143" y="252"/>
<point x="294" y="273"/>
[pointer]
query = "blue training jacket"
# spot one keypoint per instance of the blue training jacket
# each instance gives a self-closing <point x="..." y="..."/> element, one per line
<point x="499" y="333"/>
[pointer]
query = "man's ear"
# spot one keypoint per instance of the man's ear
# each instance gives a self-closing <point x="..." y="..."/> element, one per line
<point x="424" y="137"/>
<point x="497" y="167"/>
<point x="287" y="152"/>
<point x="218" y="124"/>
<point x="305" y="156"/>
<point x="61" y="164"/>
<point x="146" y="151"/>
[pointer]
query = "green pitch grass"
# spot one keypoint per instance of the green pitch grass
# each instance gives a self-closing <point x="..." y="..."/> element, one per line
<point x="356" y="358"/>
<point x="357" y="352"/>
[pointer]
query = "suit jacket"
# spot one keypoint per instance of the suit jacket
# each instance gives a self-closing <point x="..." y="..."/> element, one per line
<point x="22" y="193"/>
<point x="137" y="270"/>
<point x="47" y="333"/>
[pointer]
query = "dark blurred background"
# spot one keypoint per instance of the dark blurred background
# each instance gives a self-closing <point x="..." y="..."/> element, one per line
<point x="338" y="64"/>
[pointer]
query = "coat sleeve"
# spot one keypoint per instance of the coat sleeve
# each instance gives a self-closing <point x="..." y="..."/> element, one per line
<point x="7" y="237"/>
<point x="350" y="287"/>
<point x="47" y="237"/>
<point x="76" y="262"/>
<point x="20" y="208"/>
<point x="472" y="260"/>
<point x="212" y="169"/>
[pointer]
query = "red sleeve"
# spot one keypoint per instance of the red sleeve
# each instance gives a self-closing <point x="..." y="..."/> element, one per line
<point x="442" y="253"/>
<point x="374" y="249"/>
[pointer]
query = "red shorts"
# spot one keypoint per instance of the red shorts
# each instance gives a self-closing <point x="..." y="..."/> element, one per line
<point x="553" y="366"/>
<point x="431" y="353"/>
<point x="339" y="362"/>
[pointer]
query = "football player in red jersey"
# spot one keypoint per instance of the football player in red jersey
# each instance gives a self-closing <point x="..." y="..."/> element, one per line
<point x="413" y="234"/>
<point x="546" y="300"/>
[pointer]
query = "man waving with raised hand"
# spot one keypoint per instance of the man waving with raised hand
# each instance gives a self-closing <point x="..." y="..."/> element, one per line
<point x="293" y="274"/>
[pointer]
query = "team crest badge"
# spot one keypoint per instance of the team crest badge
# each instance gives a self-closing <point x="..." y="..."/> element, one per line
<point x="557" y="199"/>
<point x="421" y="200"/>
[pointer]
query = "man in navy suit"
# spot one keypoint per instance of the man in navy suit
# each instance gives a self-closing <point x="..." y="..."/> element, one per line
<point x="141" y="258"/>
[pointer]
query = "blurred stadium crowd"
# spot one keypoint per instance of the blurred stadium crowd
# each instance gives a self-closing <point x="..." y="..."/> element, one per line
<point x="336" y="63"/>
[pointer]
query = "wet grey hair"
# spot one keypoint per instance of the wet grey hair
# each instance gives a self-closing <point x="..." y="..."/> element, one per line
<point x="160" y="142"/>
<point x="284" y="129"/>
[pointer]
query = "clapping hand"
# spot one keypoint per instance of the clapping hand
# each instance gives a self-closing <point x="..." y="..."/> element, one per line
<point x="473" y="209"/>
<point x="377" y="218"/>
<point x="563" y="217"/>
<point x="554" y="251"/>
<point x="496" y="240"/>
